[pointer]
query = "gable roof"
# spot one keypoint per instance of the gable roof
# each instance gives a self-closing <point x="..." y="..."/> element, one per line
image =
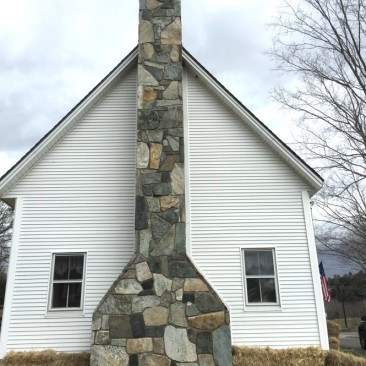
<point x="38" y="151"/>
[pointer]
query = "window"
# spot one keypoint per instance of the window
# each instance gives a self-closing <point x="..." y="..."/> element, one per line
<point x="67" y="281"/>
<point x="260" y="280"/>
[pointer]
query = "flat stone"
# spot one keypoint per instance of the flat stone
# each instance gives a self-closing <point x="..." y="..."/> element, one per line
<point x="148" y="119"/>
<point x="179" y="294"/>
<point x="154" y="136"/>
<point x="167" y="202"/>
<point x="168" y="163"/>
<point x="222" y="346"/>
<point x="147" y="51"/>
<point x="173" y="142"/>
<point x="208" y="303"/>
<point x="150" y="177"/>
<point x="142" y="155"/>
<point x="143" y="272"/>
<point x="204" y="342"/>
<point x="208" y="321"/>
<point x="156" y="65"/>
<point x="159" y="345"/>
<point x="139" y="345"/>
<point x="97" y="323"/>
<point x="153" y="360"/>
<point x="155" y="331"/>
<point x="161" y="284"/>
<point x="108" y="356"/>
<point x="194" y="285"/>
<point x="119" y="342"/>
<point x="172" y="118"/>
<point x="141" y="218"/>
<point x="148" y="284"/>
<point x="146" y="34"/>
<point x="159" y="227"/>
<point x="145" y="239"/>
<point x="206" y="360"/>
<point x="173" y="71"/>
<point x="154" y="264"/>
<point x="119" y="326"/>
<point x="157" y="73"/>
<point x="171" y="92"/>
<point x="177" y="283"/>
<point x="191" y="310"/>
<point x="128" y="286"/>
<point x="137" y="325"/>
<point x="166" y="244"/>
<point x="105" y="321"/>
<point x="178" y="314"/>
<point x="167" y="298"/>
<point x="156" y="316"/>
<point x="176" y="132"/>
<point x="177" y="345"/>
<point x="149" y="94"/>
<point x="180" y="237"/>
<point x="162" y="189"/>
<point x="155" y="153"/>
<point x="177" y="177"/>
<point x="145" y="78"/>
<point x="116" y="305"/>
<point x="153" y="204"/>
<point x="172" y="34"/>
<point x="102" y="337"/>
<point x="175" y="53"/>
<point x="133" y="361"/>
<point x="181" y="269"/>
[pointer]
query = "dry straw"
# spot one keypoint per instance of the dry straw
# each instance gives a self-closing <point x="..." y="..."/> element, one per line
<point x="335" y="358"/>
<point x="333" y="329"/>
<point x="334" y="343"/>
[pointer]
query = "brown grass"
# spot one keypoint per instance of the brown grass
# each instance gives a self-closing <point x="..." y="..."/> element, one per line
<point x="334" y="343"/>
<point x="45" y="358"/>
<point x="250" y="356"/>
<point x="335" y="358"/>
<point x="333" y="329"/>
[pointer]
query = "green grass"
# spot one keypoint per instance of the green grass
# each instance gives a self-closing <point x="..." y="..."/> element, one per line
<point x="354" y="352"/>
<point x="352" y="323"/>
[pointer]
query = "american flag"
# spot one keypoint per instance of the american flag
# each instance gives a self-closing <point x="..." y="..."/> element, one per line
<point x="323" y="281"/>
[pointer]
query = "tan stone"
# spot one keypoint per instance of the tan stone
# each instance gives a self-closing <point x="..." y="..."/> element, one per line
<point x="149" y="94"/>
<point x="167" y="202"/>
<point x="171" y="92"/>
<point x="147" y="50"/>
<point x="206" y="360"/>
<point x="174" y="54"/>
<point x="155" y="153"/>
<point x="143" y="272"/>
<point x="168" y="163"/>
<point x="159" y="345"/>
<point x="139" y="345"/>
<point x="156" y="316"/>
<point x="208" y="321"/>
<point x="153" y="4"/>
<point x="153" y="360"/>
<point x="142" y="155"/>
<point x="177" y="177"/>
<point x="146" y="32"/>
<point x="194" y="285"/>
<point x="172" y="34"/>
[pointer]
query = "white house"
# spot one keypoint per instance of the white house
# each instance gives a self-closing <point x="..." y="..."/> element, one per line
<point x="247" y="196"/>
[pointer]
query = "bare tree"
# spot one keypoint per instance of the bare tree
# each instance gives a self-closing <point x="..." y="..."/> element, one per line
<point x="6" y="224"/>
<point x="323" y="43"/>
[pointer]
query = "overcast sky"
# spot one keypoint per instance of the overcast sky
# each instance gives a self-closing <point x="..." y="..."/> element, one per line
<point x="53" y="52"/>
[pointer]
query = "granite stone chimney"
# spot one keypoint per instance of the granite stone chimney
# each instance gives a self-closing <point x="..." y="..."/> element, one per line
<point x="160" y="310"/>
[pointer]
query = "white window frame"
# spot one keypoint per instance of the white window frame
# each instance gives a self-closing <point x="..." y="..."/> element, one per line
<point x="52" y="281"/>
<point x="260" y="306"/>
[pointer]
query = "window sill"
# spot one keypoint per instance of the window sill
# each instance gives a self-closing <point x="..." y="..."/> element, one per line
<point x="262" y="308"/>
<point x="65" y="313"/>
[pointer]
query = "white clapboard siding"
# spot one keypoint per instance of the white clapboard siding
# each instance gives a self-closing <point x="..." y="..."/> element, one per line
<point x="79" y="197"/>
<point x="242" y="195"/>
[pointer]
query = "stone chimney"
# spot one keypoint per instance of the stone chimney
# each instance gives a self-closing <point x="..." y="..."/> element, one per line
<point x="160" y="310"/>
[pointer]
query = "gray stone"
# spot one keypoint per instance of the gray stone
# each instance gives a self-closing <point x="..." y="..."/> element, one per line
<point x="172" y="118"/>
<point x="162" y="189"/>
<point x="169" y="103"/>
<point x="154" y="264"/>
<point x="105" y="322"/>
<point x="137" y="325"/>
<point x="159" y="345"/>
<point x="157" y="73"/>
<point x="181" y="269"/>
<point x="177" y="283"/>
<point x="180" y="237"/>
<point x="119" y="326"/>
<point x="147" y="51"/>
<point x="153" y="360"/>
<point x="177" y="345"/>
<point x="177" y="315"/>
<point x="173" y="71"/>
<point x="171" y="92"/>
<point x="141" y="218"/>
<point x="168" y="163"/>
<point x="156" y="65"/>
<point x="204" y="342"/>
<point x="97" y="323"/>
<point x="166" y="244"/>
<point x="191" y="310"/>
<point x="143" y="272"/>
<point x="161" y="284"/>
<point x="170" y="216"/>
<point x="179" y="294"/>
<point x="167" y="298"/>
<point x="142" y="155"/>
<point x="154" y="135"/>
<point x="176" y="132"/>
<point x="222" y="346"/>
<point x="153" y="204"/>
<point x="150" y="178"/>
<point x="172" y="34"/>
<point x="208" y="302"/>
<point x="119" y="342"/>
<point x="128" y="286"/>
<point x="159" y="227"/>
<point x="175" y="53"/>
<point x="156" y="316"/>
<point x="177" y="177"/>
<point x="145" y="239"/>
<point x="148" y="120"/>
<point x="108" y="356"/>
<point x="116" y="305"/>
<point x="140" y="303"/>
<point x="145" y="32"/>
<point x="173" y="142"/>
<point x="145" y="78"/>
<point x="206" y="360"/>
<point x="102" y="337"/>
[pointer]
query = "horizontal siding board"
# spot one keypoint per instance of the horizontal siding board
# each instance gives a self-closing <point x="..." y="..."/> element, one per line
<point x="243" y="195"/>
<point x="78" y="197"/>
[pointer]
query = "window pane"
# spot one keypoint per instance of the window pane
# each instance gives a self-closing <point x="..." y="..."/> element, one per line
<point x="76" y="267"/>
<point x="266" y="262"/>
<point x="253" y="290"/>
<point x="268" y="290"/>
<point x="61" y="271"/>
<point x="59" y="298"/>
<point x="74" y="295"/>
<point x="251" y="262"/>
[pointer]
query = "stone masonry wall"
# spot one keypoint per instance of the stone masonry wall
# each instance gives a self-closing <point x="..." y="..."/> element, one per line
<point x="161" y="310"/>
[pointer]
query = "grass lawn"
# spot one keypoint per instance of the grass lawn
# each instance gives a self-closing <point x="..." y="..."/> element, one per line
<point x="352" y="323"/>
